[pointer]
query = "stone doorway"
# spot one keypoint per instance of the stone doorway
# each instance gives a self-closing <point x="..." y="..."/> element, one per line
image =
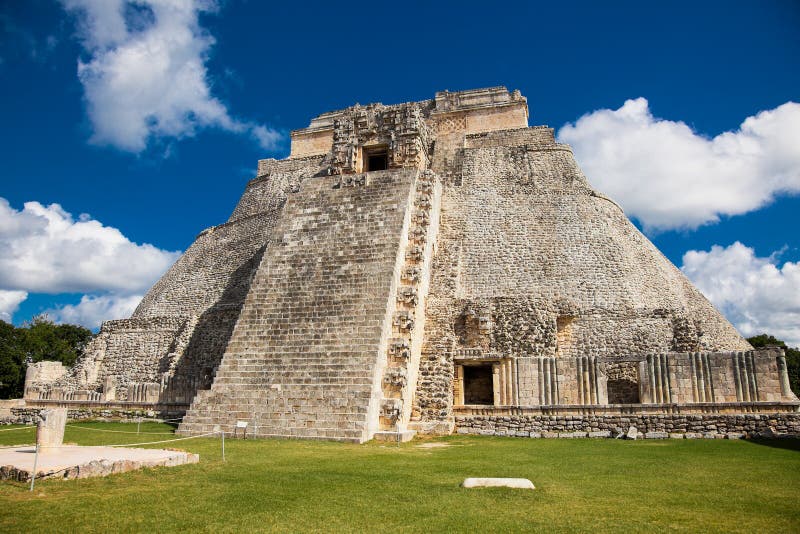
<point x="623" y="383"/>
<point x="478" y="384"/>
<point x="376" y="158"/>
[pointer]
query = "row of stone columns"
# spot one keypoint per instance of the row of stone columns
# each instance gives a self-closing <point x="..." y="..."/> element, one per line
<point x="504" y="378"/>
<point x="548" y="381"/>
<point x="654" y="380"/>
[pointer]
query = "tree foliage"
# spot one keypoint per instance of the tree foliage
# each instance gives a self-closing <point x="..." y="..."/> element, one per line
<point x="792" y="357"/>
<point x="40" y="339"/>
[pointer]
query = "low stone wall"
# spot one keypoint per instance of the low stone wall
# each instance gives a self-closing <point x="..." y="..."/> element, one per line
<point x="6" y="417"/>
<point x="28" y="415"/>
<point x="649" y="426"/>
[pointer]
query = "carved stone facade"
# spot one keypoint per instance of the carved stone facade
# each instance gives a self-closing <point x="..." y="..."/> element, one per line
<point x="400" y="130"/>
<point x="417" y="267"/>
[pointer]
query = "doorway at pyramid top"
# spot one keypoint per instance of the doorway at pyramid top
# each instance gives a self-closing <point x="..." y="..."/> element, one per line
<point x="375" y="158"/>
<point x="377" y="137"/>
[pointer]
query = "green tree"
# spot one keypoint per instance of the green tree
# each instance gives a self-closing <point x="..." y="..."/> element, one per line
<point x="792" y="357"/>
<point x="12" y="361"/>
<point x="40" y="339"/>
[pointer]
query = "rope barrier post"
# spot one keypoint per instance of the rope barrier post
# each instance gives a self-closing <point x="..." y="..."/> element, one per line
<point x="35" y="462"/>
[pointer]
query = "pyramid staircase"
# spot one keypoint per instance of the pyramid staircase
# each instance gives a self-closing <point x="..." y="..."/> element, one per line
<point x="308" y="353"/>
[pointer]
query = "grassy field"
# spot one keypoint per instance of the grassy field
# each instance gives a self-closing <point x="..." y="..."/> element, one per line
<point x="298" y="486"/>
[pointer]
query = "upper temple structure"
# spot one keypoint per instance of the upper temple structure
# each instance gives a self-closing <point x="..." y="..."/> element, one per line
<point x="429" y="266"/>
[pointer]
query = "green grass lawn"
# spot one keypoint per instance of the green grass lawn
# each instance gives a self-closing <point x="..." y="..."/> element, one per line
<point x="297" y="486"/>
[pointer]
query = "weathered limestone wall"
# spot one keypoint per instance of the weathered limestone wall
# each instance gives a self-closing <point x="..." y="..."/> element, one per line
<point x="550" y="267"/>
<point x="44" y="372"/>
<point x="311" y="142"/>
<point x="307" y="350"/>
<point x="174" y="341"/>
<point x="534" y="136"/>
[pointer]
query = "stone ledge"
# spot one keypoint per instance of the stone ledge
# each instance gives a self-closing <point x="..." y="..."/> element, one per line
<point x="71" y="462"/>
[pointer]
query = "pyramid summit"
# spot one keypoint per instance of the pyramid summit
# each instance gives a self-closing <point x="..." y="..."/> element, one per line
<point x="426" y="267"/>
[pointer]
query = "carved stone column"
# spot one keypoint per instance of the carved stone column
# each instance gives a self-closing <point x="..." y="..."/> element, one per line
<point x="50" y="431"/>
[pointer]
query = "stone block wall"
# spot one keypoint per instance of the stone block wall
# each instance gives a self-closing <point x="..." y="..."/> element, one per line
<point x="28" y="414"/>
<point x="558" y="268"/>
<point x="662" y="426"/>
<point x="539" y="136"/>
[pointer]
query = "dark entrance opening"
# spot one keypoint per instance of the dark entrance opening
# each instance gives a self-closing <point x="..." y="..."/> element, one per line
<point x="478" y="384"/>
<point x="377" y="159"/>
<point x="623" y="391"/>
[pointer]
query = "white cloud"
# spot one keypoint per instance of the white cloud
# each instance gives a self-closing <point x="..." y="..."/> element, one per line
<point x="93" y="310"/>
<point x="44" y="250"/>
<point x="754" y="293"/>
<point x="668" y="176"/>
<point x="9" y="302"/>
<point x="146" y="76"/>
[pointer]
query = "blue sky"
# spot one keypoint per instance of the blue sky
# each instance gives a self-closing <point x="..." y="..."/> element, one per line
<point x="143" y="122"/>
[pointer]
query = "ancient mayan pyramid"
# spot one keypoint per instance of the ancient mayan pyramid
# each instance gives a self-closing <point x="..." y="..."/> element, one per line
<point x="418" y="267"/>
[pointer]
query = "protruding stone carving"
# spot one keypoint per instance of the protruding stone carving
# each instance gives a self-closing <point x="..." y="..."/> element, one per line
<point x="349" y="180"/>
<point x="399" y="348"/>
<point x="421" y="217"/>
<point x="417" y="234"/>
<point x="484" y="323"/>
<point x="404" y="321"/>
<point x="396" y="377"/>
<point x="407" y="295"/>
<point x="415" y="254"/>
<point x="400" y="128"/>
<point x="391" y="409"/>
<point x="411" y="274"/>
<point x="425" y="183"/>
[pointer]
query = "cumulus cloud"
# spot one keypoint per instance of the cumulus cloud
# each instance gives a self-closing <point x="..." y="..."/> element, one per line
<point x="668" y="176"/>
<point x="755" y="293"/>
<point x="146" y="78"/>
<point x="92" y="310"/>
<point x="44" y="249"/>
<point x="9" y="302"/>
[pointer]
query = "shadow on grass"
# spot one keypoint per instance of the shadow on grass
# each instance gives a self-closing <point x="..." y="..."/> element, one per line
<point x="791" y="444"/>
